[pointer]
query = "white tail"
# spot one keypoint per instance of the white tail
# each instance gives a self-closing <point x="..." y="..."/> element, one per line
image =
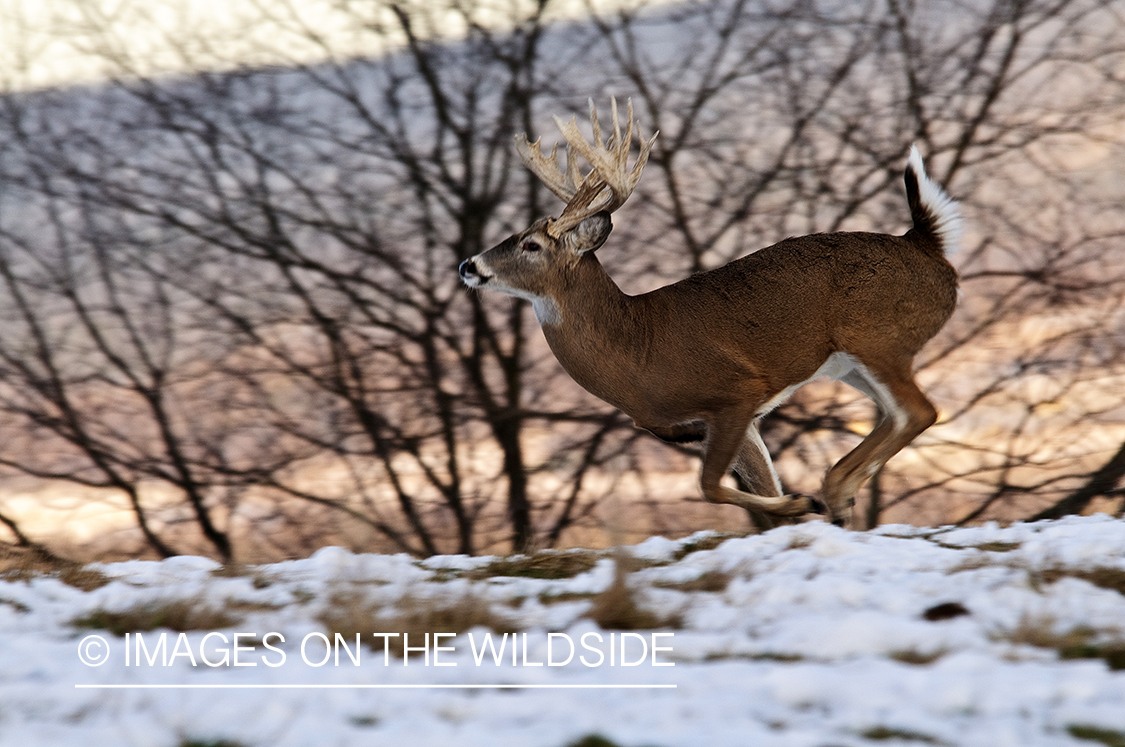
<point x="705" y="358"/>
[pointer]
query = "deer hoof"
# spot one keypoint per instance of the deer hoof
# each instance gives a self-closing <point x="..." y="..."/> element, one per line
<point x="806" y="504"/>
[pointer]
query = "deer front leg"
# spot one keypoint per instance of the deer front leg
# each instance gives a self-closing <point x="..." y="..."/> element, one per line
<point x="728" y="437"/>
<point x="755" y="473"/>
<point x="754" y="466"/>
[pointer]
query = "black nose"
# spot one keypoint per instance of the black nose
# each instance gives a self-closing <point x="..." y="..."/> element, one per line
<point x="467" y="268"/>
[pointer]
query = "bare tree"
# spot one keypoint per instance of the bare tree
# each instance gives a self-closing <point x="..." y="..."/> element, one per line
<point x="231" y="295"/>
<point x="317" y="243"/>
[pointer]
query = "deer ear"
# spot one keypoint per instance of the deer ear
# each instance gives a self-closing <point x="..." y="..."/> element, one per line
<point x="588" y="235"/>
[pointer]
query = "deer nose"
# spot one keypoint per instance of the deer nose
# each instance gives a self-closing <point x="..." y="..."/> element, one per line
<point x="468" y="272"/>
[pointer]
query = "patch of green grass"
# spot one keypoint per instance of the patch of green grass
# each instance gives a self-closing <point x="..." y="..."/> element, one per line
<point x="917" y="658"/>
<point x="1076" y="643"/>
<point x="20" y="564"/>
<point x="983" y="546"/>
<point x="1103" y="577"/>
<point x="706" y="542"/>
<point x="178" y="615"/>
<point x="259" y="579"/>
<point x="935" y="537"/>
<point x="351" y="615"/>
<point x="1040" y="632"/>
<point x="565" y="596"/>
<point x="762" y="656"/>
<point x="548" y="564"/>
<point x="883" y="733"/>
<point x="17" y="606"/>
<point x="82" y="578"/>
<point x="711" y="581"/>
<point x="232" y="570"/>
<point x="974" y="562"/>
<point x="262" y="581"/>
<point x="617" y="608"/>
<point x="1112" y="653"/>
<point x="799" y="542"/>
<point x="302" y="596"/>
<point x="998" y="546"/>
<point x="919" y="536"/>
<point x="1108" y="737"/>
<point x="242" y="605"/>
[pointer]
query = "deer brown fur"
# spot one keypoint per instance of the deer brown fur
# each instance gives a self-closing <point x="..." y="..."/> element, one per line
<point x="705" y="358"/>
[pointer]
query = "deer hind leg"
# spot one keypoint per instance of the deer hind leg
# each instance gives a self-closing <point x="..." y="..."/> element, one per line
<point x="903" y="413"/>
<point x="729" y="440"/>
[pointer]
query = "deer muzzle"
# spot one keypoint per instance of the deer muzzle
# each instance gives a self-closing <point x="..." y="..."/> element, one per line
<point x="470" y="275"/>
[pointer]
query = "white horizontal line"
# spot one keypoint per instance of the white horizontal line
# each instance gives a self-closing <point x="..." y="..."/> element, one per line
<point x="482" y="686"/>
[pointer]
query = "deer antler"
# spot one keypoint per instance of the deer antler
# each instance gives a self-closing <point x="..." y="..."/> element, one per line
<point x="609" y="183"/>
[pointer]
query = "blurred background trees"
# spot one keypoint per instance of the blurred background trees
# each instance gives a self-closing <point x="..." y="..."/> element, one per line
<point x="230" y="302"/>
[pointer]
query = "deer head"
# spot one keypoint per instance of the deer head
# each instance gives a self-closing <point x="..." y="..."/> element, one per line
<point x="535" y="263"/>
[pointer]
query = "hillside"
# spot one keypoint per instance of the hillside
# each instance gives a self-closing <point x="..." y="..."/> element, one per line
<point x="805" y="635"/>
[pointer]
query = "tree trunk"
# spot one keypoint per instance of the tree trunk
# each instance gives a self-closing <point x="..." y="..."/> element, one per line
<point x="1102" y="482"/>
<point x="519" y="507"/>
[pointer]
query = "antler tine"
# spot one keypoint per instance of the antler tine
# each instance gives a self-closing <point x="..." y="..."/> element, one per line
<point x="546" y="169"/>
<point x="617" y="125"/>
<point x="572" y="168"/>
<point x="597" y="130"/>
<point x="610" y="168"/>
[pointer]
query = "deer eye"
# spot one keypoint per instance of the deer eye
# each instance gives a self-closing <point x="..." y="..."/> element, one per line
<point x="531" y="246"/>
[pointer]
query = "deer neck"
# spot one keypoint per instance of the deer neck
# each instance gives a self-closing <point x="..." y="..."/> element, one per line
<point x="594" y="328"/>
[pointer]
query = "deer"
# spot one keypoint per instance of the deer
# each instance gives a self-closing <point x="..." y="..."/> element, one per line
<point x="701" y="361"/>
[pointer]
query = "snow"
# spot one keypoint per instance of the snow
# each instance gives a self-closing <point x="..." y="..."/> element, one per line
<point x="812" y="636"/>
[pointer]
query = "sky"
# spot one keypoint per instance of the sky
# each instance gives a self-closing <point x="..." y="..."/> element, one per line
<point x="61" y="42"/>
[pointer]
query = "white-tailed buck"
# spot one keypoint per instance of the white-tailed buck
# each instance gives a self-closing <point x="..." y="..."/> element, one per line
<point x="705" y="358"/>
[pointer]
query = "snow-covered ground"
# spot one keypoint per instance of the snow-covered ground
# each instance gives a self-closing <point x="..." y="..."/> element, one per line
<point x="806" y="635"/>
